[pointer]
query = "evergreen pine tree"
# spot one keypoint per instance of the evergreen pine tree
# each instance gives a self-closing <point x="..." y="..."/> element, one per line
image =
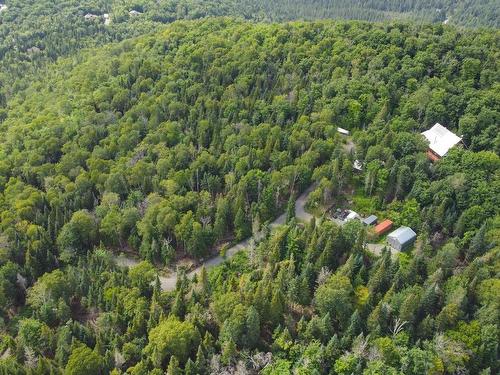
<point x="173" y="367"/>
<point x="208" y="344"/>
<point x="204" y="283"/>
<point x="156" y="289"/>
<point x="333" y="350"/>
<point x="190" y="368"/>
<point x="241" y="225"/>
<point x="290" y="209"/>
<point x="478" y="244"/>
<point x="252" y="328"/>
<point x="179" y="306"/>
<point x="277" y="307"/>
<point x="200" y="360"/>
<point x="228" y="352"/>
<point x="355" y="325"/>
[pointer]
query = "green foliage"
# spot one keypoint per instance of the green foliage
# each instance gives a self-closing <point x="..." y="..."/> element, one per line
<point x="335" y="297"/>
<point x="50" y="286"/>
<point x="279" y="367"/>
<point x="84" y="361"/>
<point x="35" y="335"/>
<point x="142" y="276"/>
<point x="201" y="133"/>
<point x="346" y="364"/>
<point x="77" y="236"/>
<point x="172" y="338"/>
<point x="8" y="289"/>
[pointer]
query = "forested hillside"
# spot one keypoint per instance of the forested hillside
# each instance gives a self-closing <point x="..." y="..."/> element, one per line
<point x="33" y="33"/>
<point x="173" y="144"/>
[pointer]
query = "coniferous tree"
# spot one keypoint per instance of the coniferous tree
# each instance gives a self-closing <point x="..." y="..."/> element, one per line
<point x="200" y="363"/>
<point x="173" y="367"/>
<point x="290" y="209"/>
<point x="179" y="305"/>
<point x="190" y="368"/>
<point x="252" y="328"/>
<point x="478" y="244"/>
<point x="229" y="352"/>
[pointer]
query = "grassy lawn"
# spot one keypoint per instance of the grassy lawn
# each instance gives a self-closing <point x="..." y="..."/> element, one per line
<point x="364" y="205"/>
<point x="382" y="240"/>
<point x="316" y="211"/>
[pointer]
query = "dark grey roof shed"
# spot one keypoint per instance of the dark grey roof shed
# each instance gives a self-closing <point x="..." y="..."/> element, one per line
<point x="370" y="220"/>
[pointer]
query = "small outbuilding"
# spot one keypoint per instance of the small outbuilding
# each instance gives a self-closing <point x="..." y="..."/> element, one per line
<point x="402" y="238"/>
<point x="383" y="227"/>
<point x="357" y="165"/>
<point x="33" y="50"/>
<point x="90" y="16"/>
<point x="343" y="131"/>
<point x="370" y="220"/>
<point x="351" y="216"/>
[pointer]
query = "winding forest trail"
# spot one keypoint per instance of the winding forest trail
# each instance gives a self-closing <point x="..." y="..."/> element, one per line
<point x="169" y="282"/>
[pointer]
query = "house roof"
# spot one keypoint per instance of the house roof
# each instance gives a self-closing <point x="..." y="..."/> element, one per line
<point x="383" y="227"/>
<point x="403" y="235"/>
<point x="370" y="220"/>
<point x="441" y="139"/>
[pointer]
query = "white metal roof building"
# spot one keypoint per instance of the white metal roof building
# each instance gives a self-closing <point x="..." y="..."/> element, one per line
<point x="107" y="19"/>
<point x="352" y="215"/>
<point x="343" y="131"/>
<point x="401" y="238"/>
<point x="440" y="139"/>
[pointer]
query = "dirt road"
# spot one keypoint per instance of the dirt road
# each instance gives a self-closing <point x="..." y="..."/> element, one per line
<point x="168" y="282"/>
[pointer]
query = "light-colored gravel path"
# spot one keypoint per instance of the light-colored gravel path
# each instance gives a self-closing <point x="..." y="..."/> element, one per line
<point x="168" y="282"/>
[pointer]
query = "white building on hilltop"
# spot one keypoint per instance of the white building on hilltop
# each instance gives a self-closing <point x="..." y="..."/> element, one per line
<point x="343" y="131"/>
<point x="441" y="140"/>
<point x="90" y="16"/>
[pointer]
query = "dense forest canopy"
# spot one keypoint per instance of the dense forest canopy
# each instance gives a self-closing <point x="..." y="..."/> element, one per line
<point x="33" y="33"/>
<point x="173" y="144"/>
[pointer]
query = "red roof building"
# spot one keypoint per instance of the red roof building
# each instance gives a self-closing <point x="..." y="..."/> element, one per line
<point x="383" y="227"/>
<point x="432" y="156"/>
